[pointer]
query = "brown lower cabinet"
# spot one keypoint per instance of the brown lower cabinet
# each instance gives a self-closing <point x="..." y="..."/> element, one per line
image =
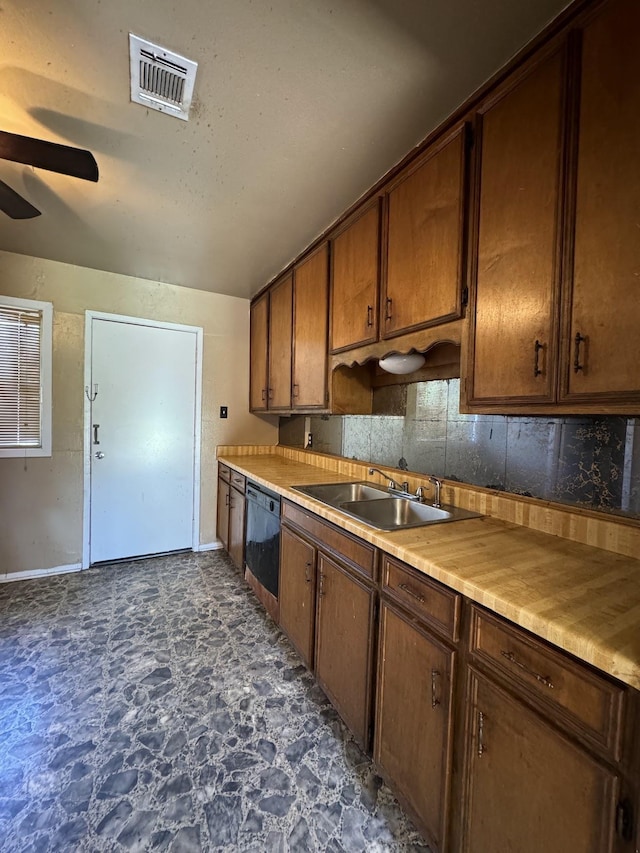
<point x="413" y="728"/>
<point x="344" y="643"/>
<point x="494" y="740"/>
<point x="297" y="593"/>
<point x="231" y="513"/>
<point x="327" y="608"/>
<point x="528" y="787"/>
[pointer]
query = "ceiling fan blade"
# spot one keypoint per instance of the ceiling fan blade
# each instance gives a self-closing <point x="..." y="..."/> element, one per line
<point x="14" y="205"/>
<point x="64" y="159"/>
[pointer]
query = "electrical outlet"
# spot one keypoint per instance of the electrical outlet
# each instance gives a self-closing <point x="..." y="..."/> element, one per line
<point x="309" y="440"/>
<point x="224" y="412"/>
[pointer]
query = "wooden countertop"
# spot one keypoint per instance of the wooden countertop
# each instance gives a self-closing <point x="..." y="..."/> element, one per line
<point x="582" y="599"/>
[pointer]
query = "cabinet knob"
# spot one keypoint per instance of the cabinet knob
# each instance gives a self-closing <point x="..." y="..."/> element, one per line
<point x="576" y="352"/>
<point x="543" y="679"/>
<point x="536" y="362"/>
<point x="481" y="747"/>
<point x="435" y="675"/>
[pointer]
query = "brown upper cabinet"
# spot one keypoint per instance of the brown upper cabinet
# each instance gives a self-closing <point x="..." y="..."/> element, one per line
<point x="601" y="342"/>
<point x="530" y="195"/>
<point x="519" y="145"/>
<point x="310" y="330"/>
<point x="271" y="327"/>
<point x="556" y="293"/>
<point x="424" y="250"/>
<point x="259" y="337"/>
<point x="355" y="280"/>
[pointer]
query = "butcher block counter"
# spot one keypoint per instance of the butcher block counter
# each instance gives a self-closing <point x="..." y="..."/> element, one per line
<point x="583" y="599"/>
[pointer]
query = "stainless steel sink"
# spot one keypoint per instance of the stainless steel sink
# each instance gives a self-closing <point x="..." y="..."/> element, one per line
<point x="397" y="513"/>
<point x="336" y="494"/>
<point x="376" y="506"/>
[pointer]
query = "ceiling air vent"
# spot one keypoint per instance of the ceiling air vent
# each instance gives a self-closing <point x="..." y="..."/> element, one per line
<point x="160" y="79"/>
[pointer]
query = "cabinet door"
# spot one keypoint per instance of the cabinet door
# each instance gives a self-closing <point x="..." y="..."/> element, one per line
<point x="223" y="513"/>
<point x="310" y="326"/>
<point x="236" y="527"/>
<point x="355" y="272"/>
<point x="527" y="787"/>
<point x="425" y="241"/>
<point x="602" y="344"/>
<point x="258" y="383"/>
<point x="280" y="328"/>
<point x="414" y="718"/>
<point x="344" y="642"/>
<point x="513" y="351"/>
<point x="297" y="592"/>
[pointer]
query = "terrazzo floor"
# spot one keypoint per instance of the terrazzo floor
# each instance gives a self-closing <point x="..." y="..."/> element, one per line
<point x="153" y="705"/>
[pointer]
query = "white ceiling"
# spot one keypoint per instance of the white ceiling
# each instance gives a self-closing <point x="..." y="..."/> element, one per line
<point x="299" y="107"/>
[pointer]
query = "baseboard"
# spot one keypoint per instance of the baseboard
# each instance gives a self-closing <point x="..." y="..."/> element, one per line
<point x="8" y="577"/>
<point x="209" y="546"/>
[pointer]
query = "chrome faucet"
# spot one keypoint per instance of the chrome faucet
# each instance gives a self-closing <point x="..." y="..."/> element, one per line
<point x="438" y="484"/>
<point x="392" y="483"/>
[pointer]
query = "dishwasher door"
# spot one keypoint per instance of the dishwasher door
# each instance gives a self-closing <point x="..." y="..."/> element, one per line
<point x="262" y="549"/>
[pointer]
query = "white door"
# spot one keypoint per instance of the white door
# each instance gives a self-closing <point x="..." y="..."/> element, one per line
<point x="144" y="418"/>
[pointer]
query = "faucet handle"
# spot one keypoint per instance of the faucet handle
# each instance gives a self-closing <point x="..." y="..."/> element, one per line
<point x="420" y="493"/>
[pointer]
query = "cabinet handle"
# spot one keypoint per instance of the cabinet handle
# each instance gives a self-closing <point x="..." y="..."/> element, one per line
<point x="295" y="393"/>
<point x="227" y="499"/>
<point x="369" y="315"/>
<point x="536" y="364"/>
<point x="264" y="394"/>
<point x="481" y="746"/>
<point x="321" y="585"/>
<point x="435" y="675"/>
<point x="576" y="353"/>
<point x="543" y="679"/>
<point x="270" y="393"/>
<point x="307" y="577"/>
<point x="387" y="313"/>
<point x="409" y="591"/>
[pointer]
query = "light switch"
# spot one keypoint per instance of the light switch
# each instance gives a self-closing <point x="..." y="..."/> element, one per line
<point x="223" y="412"/>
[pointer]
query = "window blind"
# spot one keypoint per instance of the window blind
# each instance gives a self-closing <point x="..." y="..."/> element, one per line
<point x="20" y="379"/>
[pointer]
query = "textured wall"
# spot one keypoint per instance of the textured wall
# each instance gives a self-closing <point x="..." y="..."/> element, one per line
<point x="41" y="499"/>
<point x="592" y="462"/>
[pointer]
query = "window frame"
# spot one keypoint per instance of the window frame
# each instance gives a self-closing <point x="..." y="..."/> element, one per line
<point x="46" y="359"/>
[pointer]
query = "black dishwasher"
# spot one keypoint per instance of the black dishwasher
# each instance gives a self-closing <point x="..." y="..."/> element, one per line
<point x="262" y="543"/>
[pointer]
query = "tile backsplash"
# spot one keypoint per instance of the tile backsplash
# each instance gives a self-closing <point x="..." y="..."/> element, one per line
<point x="584" y="461"/>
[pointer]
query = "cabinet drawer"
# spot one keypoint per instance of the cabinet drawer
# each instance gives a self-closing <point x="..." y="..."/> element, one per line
<point x="584" y="702"/>
<point x="434" y="603"/>
<point x="238" y="480"/>
<point x="224" y="471"/>
<point x="350" y="549"/>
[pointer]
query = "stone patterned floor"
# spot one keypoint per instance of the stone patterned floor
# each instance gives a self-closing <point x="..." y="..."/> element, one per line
<point x="153" y="705"/>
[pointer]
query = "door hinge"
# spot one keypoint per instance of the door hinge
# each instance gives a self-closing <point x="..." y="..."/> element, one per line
<point x="624" y="820"/>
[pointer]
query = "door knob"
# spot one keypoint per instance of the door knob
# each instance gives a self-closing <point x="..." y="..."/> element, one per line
<point x="99" y="455"/>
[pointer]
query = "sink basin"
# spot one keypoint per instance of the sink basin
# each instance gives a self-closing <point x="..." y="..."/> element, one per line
<point x="335" y="494"/>
<point x="375" y="506"/>
<point x="399" y="513"/>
